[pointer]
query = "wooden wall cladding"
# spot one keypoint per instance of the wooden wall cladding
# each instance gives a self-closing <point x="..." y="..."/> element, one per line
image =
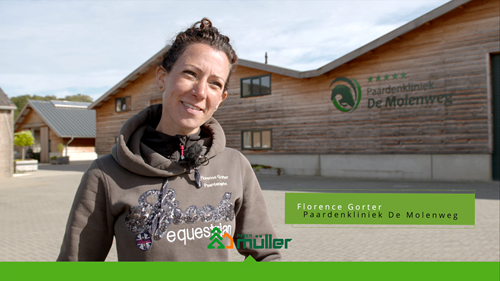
<point x="449" y="53"/>
<point x="108" y="122"/>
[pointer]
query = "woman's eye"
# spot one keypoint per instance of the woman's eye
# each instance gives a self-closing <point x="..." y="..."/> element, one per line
<point x="189" y="72"/>
<point x="217" y="84"/>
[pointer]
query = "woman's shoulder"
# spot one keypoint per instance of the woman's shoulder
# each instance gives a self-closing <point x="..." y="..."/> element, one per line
<point x="234" y="155"/>
<point x="104" y="164"/>
<point x="232" y="152"/>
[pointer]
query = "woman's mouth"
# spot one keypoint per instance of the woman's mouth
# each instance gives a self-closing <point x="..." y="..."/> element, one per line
<point x="188" y="105"/>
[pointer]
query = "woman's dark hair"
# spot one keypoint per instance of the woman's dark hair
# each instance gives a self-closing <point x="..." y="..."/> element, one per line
<point x="200" y="32"/>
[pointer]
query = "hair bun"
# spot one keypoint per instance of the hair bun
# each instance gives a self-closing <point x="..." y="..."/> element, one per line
<point x="205" y="23"/>
<point x="201" y="32"/>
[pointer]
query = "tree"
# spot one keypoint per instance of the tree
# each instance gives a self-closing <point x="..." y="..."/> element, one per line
<point x="23" y="139"/>
<point x="20" y="101"/>
<point x="78" y="97"/>
<point x="60" y="148"/>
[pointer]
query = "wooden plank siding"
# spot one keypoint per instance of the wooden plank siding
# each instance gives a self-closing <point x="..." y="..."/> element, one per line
<point x="449" y="52"/>
<point x="79" y="145"/>
<point x="31" y="120"/>
<point x="143" y="92"/>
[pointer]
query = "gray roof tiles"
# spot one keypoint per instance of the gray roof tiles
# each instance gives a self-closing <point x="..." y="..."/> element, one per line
<point x="67" y="121"/>
<point x="5" y="101"/>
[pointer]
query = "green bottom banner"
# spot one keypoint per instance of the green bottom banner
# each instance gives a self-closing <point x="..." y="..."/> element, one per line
<point x="16" y="271"/>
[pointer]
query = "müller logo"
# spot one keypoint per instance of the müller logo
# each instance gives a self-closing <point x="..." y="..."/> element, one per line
<point x="245" y="241"/>
<point x="346" y="94"/>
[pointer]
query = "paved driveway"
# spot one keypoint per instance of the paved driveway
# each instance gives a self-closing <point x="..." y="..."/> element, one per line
<point x="34" y="209"/>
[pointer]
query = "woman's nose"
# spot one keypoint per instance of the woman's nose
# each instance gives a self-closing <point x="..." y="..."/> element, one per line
<point x="200" y="89"/>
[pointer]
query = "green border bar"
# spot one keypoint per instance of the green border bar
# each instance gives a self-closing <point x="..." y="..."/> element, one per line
<point x="387" y="271"/>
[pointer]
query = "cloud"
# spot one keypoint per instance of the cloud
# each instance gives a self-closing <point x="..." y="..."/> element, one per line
<point x="52" y="46"/>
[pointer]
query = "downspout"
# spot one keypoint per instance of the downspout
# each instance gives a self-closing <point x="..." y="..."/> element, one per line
<point x="67" y="144"/>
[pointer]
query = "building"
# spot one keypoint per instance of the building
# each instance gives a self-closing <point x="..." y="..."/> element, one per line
<point x="54" y="122"/>
<point x="417" y="103"/>
<point x="6" y="135"/>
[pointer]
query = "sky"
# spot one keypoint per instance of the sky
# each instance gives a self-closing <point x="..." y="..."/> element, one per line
<point x="68" y="47"/>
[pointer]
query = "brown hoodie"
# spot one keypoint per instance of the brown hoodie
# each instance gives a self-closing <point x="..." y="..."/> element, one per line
<point x="126" y="194"/>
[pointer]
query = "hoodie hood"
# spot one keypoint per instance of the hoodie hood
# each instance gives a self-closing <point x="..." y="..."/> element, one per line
<point x="134" y="156"/>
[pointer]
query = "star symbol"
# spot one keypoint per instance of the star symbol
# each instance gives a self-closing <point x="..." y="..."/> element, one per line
<point x="394" y="76"/>
<point x="370" y="79"/>
<point x="378" y="78"/>
<point x="403" y="75"/>
<point x="386" y="77"/>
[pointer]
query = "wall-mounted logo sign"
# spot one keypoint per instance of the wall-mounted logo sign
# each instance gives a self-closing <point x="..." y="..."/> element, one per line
<point x="346" y="94"/>
<point x="377" y="94"/>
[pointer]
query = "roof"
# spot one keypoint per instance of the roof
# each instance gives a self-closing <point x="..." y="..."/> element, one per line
<point x="153" y="61"/>
<point x="66" y="119"/>
<point x="5" y="102"/>
<point x="432" y="15"/>
<point x="73" y="104"/>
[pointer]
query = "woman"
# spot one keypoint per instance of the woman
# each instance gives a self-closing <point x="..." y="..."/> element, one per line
<point x="169" y="181"/>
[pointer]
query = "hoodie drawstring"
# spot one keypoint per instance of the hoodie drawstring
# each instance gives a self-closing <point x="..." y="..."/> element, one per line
<point x="197" y="177"/>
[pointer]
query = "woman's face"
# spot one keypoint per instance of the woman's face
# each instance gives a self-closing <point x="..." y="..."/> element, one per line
<point x="193" y="89"/>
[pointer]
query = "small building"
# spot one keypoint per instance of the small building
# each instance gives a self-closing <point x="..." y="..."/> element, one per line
<point x="7" y="108"/>
<point x="419" y="103"/>
<point x="54" y="122"/>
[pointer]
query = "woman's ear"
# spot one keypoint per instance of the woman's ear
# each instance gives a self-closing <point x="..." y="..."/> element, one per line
<point x="224" y="96"/>
<point x="161" y="76"/>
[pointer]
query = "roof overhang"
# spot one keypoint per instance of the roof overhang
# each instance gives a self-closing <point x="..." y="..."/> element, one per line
<point x="432" y="15"/>
<point x="7" y="107"/>
<point x="22" y="113"/>
<point x="130" y="78"/>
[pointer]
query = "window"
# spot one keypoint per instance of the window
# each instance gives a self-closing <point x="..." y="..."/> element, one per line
<point x="122" y="104"/>
<point x="256" y="86"/>
<point x="256" y="139"/>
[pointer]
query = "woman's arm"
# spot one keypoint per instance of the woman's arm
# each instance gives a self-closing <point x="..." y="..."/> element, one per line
<point x="89" y="231"/>
<point x="253" y="217"/>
